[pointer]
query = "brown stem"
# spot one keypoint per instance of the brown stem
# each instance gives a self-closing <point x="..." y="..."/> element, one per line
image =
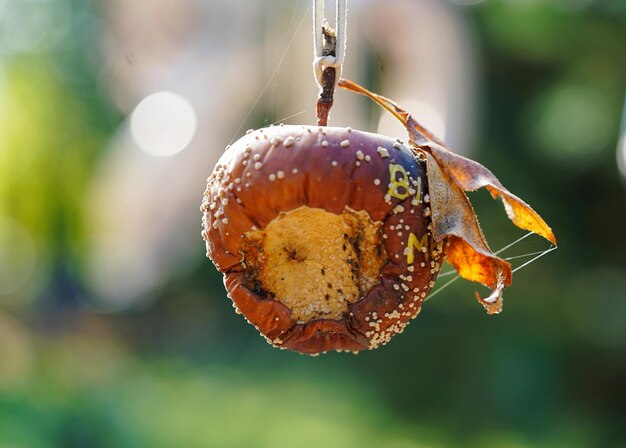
<point x="329" y="75"/>
<point x="326" y="99"/>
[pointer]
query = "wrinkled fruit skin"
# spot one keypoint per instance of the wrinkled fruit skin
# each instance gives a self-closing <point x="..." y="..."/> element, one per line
<point x="271" y="172"/>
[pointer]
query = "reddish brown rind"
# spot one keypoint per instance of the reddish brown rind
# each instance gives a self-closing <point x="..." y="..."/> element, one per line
<point x="280" y="169"/>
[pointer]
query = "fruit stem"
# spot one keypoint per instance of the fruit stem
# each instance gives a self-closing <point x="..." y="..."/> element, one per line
<point x="329" y="77"/>
<point x="326" y="99"/>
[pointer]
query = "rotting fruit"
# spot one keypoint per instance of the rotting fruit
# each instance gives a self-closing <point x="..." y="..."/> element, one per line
<point x="331" y="238"/>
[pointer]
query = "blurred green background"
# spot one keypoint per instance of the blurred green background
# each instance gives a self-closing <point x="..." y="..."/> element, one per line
<point x="179" y="368"/>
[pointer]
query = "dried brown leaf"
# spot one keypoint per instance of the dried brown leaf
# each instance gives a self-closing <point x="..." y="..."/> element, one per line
<point x="465" y="173"/>
<point x="454" y="219"/>
<point x="471" y="176"/>
<point x="493" y="303"/>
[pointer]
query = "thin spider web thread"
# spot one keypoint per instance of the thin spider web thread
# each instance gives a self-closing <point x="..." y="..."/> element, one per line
<point x="274" y="73"/>
<point x="288" y="117"/>
<point x="538" y="255"/>
<point x="499" y="251"/>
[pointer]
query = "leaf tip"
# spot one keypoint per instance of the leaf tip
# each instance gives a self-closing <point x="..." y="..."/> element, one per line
<point x="493" y="303"/>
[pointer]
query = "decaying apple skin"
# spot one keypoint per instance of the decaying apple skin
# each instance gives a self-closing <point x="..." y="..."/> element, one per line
<point x="272" y="172"/>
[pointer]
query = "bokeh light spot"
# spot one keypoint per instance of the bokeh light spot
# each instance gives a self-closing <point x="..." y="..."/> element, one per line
<point x="163" y="124"/>
<point x="621" y="155"/>
<point x="621" y="146"/>
<point x="571" y="124"/>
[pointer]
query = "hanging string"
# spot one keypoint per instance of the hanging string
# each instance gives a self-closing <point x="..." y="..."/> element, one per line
<point x="329" y="51"/>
